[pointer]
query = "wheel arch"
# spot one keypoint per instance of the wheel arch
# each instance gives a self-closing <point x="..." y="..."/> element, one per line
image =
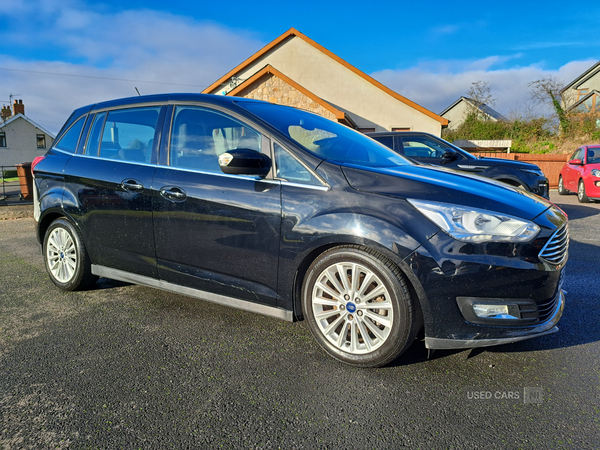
<point x="416" y="291"/>
<point x="46" y="220"/>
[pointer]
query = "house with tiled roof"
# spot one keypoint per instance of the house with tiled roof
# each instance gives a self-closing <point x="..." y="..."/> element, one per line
<point x="458" y="111"/>
<point x="583" y="93"/>
<point x="294" y="70"/>
<point x="21" y="139"/>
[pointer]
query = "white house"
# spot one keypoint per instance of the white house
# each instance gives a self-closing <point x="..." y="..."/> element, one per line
<point x="21" y="139"/>
<point x="458" y="111"/>
<point x="294" y="70"/>
<point x="583" y="93"/>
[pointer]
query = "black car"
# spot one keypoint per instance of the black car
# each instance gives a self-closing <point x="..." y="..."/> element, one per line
<point x="279" y="211"/>
<point x="429" y="149"/>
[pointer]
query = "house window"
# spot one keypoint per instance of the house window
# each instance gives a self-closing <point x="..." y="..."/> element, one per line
<point x="41" y="140"/>
<point x="2" y="139"/>
<point x="400" y="128"/>
<point x="582" y="93"/>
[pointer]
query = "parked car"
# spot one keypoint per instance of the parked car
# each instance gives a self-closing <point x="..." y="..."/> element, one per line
<point x="581" y="174"/>
<point x="274" y="210"/>
<point x="429" y="149"/>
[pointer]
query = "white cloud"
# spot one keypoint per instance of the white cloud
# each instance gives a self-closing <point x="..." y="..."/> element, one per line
<point x="438" y="84"/>
<point x="162" y="52"/>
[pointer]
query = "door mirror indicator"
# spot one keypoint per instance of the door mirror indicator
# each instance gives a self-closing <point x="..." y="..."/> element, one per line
<point x="244" y="161"/>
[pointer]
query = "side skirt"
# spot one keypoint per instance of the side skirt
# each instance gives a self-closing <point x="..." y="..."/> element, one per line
<point x="128" y="277"/>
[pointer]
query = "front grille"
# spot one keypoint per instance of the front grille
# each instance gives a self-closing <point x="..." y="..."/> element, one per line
<point x="556" y="249"/>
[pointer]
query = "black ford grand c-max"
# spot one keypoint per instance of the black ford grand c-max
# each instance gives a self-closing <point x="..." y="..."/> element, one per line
<point x="279" y="211"/>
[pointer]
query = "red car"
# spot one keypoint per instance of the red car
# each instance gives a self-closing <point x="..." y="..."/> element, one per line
<point x="581" y="174"/>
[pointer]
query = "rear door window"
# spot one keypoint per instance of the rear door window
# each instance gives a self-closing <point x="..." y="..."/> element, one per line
<point x="128" y="134"/>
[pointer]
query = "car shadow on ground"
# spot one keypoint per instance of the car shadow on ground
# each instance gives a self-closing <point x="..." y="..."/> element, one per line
<point x="579" y="210"/>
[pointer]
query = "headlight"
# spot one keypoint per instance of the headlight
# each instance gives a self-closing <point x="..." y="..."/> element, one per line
<point x="476" y="225"/>
<point x="596" y="173"/>
<point x="537" y="172"/>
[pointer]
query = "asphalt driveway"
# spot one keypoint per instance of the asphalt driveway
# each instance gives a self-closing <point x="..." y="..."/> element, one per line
<point x="124" y="366"/>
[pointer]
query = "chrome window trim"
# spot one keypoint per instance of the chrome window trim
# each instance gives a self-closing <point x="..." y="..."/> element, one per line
<point x="100" y="158"/>
<point x="305" y="186"/>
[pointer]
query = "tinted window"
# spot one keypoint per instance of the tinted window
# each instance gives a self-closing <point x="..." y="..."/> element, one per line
<point x="69" y="140"/>
<point x="325" y="138"/>
<point x="129" y="133"/>
<point x="200" y="135"/>
<point x="290" y="169"/>
<point x="388" y="141"/>
<point x="423" y="147"/>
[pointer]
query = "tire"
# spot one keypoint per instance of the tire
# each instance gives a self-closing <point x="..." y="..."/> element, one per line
<point x="66" y="258"/>
<point x="581" y="195"/>
<point x="561" y="187"/>
<point x="364" y="325"/>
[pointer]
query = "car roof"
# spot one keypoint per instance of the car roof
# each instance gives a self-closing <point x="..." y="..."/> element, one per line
<point x="396" y="133"/>
<point x="164" y="98"/>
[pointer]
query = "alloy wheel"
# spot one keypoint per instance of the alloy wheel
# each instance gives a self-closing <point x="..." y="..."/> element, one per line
<point x="352" y="308"/>
<point x="61" y="254"/>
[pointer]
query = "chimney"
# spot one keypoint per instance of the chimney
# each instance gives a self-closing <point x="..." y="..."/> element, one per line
<point x="18" y="107"/>
<point x="5" y="112"/>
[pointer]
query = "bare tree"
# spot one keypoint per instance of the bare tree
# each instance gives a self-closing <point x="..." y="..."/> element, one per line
<point x="548" y="91"/>
<point x="480" y="95"/>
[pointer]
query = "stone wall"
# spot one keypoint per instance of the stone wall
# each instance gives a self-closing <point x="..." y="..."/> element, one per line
<point x="273" y="89"/>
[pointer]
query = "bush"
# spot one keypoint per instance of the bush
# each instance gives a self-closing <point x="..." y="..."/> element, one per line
<point x="522" y="132"/>
<point x="532" y="135"/>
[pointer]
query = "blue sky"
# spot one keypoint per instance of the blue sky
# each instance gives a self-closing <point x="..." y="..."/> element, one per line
<point x="58" y="55"/>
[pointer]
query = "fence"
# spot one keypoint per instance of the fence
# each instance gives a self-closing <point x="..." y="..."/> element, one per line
<point x="10" y="189"/>
<point x="550" y="164"/>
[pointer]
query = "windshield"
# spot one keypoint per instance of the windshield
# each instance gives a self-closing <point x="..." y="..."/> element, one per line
<point x="325" y="138"/>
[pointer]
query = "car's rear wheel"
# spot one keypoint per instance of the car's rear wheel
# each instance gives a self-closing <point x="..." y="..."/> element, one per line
<point x="581" y="194"/>
<point x="561" y="187"/>
<point x="66" y="258"/>
<point x="358" y="306"/>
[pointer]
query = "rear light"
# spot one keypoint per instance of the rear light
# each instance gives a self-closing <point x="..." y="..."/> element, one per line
<point x="36" y="160"/>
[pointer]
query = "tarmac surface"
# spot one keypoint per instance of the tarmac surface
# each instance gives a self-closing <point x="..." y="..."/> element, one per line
<point x="124" y="366"/>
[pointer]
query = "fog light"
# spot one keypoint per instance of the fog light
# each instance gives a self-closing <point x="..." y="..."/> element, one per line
<point x="493" y="311"/>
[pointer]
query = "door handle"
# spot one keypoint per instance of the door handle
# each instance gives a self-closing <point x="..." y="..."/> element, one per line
<point x="173" y="194"/>
<point x="132" y="185"/>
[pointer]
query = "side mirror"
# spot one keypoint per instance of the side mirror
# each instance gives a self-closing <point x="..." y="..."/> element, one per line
<point x="243" y="161"/>
<point x="576" y="162"/>
<point x="449" y="155"/>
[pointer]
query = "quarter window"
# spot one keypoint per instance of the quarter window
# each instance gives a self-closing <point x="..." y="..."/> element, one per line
<point x="128" y="134"/>
<point x="68" y="142"/>
<point x="200" y="135"/>
<point x="290" y="169"/>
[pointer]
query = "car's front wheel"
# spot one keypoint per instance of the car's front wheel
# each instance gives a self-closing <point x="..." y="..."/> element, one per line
<point x="358" y="306"/>
<point x="66" y="258"/>
<point x="561" y="187"/>
<point x="581" y="194"/>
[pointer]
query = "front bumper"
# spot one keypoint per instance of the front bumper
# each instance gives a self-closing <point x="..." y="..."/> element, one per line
<point x="511" y="335"/>
<point x="542" y="188"/>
